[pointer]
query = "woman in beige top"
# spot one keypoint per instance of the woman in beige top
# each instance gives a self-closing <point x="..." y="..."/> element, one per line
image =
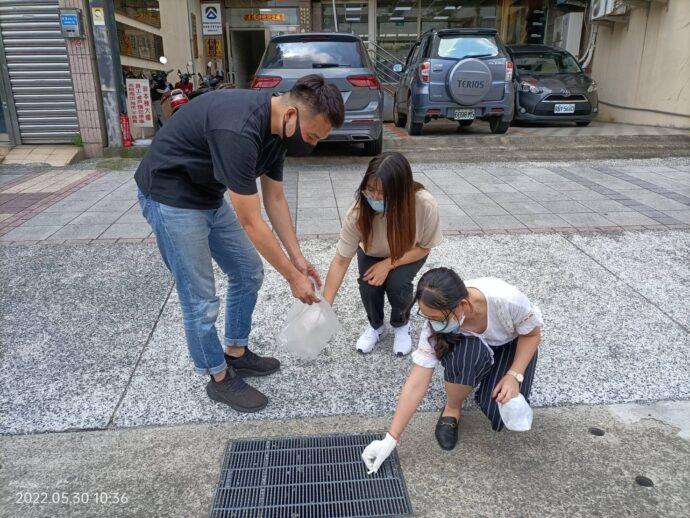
<point x="392" y="226"/>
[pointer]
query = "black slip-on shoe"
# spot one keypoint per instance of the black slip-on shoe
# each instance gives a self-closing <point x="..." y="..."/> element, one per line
<point x="447" y="432"/>
<point x="234" y="392"/>
<point x="251" y="364"/>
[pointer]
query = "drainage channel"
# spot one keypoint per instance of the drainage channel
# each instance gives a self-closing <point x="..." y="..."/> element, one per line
<point x="315" y="476"/>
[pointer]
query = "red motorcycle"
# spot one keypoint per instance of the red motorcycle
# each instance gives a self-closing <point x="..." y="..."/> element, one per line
<point x="184" y="83"/>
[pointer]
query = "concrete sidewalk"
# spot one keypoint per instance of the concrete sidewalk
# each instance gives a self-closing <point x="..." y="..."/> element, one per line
<point x="93" y="336"/>
<point x="557" y="469"/>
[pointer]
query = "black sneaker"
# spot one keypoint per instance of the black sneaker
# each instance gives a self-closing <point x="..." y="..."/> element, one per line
<point x="447" y="432"/>
<point x="251" y="364"/>
<point x="234" y="392"/>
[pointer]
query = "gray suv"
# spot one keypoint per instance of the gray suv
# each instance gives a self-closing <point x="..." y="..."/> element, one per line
<point x="458" y="74"/>
<point x="341" y="60"/>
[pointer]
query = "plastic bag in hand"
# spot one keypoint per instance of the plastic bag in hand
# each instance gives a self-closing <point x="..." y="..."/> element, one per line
<point x="308" y="328"/>
<point x="516" y="414"/>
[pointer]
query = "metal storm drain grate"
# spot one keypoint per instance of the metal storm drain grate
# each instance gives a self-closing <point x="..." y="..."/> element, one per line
<point x="306" y="477"/>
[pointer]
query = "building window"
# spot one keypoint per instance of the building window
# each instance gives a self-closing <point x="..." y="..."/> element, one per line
<point x="353" y="17"/>
<point x="522" y="23"/>
<point x="447" y="15"/>
<point x="397" y="27"/>
<point x="136" y="43"/>
<point x="144" y="11"/>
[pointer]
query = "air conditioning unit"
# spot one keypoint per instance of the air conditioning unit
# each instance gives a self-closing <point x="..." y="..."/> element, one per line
<point x="608" y="10"/>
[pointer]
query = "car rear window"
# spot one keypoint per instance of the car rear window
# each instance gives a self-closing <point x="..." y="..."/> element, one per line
<point x="313" y="54"/>
<point x="460" y="47"/>
<point x="545" y="63"/>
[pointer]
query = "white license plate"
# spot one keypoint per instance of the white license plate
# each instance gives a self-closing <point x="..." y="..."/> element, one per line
<point x="564" y="108"/>
<point x="463" y="115"/>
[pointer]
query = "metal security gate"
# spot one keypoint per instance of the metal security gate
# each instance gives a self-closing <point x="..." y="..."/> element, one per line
<point x="36" y="73"/>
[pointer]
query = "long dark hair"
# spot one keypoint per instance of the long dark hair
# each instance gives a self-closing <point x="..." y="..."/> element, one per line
<point x="399" y="190"/>
<point x="441" y="289"/>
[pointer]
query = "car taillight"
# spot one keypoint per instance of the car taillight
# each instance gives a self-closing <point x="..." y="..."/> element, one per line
<point x="266" y="81"/>
<point x="424" y="71"/>
<point x="365" y="81"/>
<point x="509" y="70"/>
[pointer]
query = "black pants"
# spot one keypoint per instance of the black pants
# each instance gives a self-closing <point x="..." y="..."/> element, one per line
<point x="398" y="288"/>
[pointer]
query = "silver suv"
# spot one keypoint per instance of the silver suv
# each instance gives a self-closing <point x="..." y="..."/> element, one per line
<point x="341" y="60"/>
<point x="458" y="74"/>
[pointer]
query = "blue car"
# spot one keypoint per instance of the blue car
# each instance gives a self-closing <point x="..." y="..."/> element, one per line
<point x="457" y="74"/>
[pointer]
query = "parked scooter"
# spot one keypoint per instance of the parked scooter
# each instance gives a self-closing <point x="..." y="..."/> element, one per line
<point x="185" y="83"/>
<point x="159" y="88"/>
<point x="210" y="81"/>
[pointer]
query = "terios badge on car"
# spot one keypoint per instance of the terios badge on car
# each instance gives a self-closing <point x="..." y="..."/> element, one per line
<point x="551" y="86"/>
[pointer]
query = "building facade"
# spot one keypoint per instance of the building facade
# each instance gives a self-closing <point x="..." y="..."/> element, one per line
<point x="57" y="89"/>
<point x="641" y="62"/>
<point x="391" y="25"/>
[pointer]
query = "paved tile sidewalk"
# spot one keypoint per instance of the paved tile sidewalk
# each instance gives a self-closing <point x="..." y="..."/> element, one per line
<point x="523" y="197"/>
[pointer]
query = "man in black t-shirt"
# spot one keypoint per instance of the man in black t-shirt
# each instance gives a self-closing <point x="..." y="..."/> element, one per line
<point x="222" y="142"/>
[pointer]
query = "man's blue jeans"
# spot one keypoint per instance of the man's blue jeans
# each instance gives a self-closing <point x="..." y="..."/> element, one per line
<point x="188" y="239"/>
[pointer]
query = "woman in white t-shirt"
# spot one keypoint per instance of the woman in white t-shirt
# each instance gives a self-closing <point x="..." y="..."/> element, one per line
<point x="485" y="333"/>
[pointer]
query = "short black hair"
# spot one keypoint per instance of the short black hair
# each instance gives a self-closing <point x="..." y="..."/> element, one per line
<point x="320" y="97"/>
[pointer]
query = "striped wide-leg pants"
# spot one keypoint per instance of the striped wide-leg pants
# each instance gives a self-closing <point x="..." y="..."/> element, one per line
<point x="469" y="363"/>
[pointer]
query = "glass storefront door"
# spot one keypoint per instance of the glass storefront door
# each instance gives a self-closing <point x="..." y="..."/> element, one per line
<point x="397" y="26"/>
<point x="351" y="17"/>
<point x="450" y="14"/>
<point x="400" y="23"/>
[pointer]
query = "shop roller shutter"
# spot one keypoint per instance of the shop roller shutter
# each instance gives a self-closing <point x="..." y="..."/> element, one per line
<point x="39" y="71"/>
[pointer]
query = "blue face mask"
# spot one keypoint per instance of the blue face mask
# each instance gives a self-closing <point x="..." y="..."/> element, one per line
<point x="451" y="326"/>
<point x="376" y="205"/>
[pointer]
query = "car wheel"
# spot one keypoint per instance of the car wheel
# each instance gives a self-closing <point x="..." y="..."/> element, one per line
<point x="413" y="128"/>
<point x="374" y="147"/>
<point x="583" y="123"/>
<point x="465" y="123"/>
<point x="498" y="125"/>
<point x="398" y="118"/>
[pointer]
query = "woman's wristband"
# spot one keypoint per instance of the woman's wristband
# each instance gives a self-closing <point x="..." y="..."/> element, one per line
<point x="396" y="437"/>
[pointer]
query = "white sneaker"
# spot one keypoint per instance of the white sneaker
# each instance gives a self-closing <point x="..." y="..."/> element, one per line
<point x="369" y="339"/>
<point x="402" y="343"/>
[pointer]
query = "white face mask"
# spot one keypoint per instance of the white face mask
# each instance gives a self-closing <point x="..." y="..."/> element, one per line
<point x="451" y="326"/>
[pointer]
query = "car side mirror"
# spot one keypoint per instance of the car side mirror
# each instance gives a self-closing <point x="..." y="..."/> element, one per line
<point x="398" y="68"/>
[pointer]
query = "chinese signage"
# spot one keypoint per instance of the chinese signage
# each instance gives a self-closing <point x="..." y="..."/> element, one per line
<point x="139" y="103"/>
<point x="242" y="18"/>
<point x="210" y="20"/>
<point x="264" y="17"/>
<point x="214" y="47"/>
<point x="136" y="43"/>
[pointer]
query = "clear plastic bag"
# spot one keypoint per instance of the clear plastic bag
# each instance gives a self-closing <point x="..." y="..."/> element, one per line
<point x="308" y="328"/>
<point x="516" y="414"/>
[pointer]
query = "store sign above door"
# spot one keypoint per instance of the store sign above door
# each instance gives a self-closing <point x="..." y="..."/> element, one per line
<point x="210" y="20"/>
<point x="264" y="17"/>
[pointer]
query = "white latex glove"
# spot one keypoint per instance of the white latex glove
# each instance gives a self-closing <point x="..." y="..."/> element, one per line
<point x="377" y="452"/>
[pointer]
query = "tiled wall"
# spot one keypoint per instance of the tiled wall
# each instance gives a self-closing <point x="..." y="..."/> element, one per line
<point x="86" y="86"/>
